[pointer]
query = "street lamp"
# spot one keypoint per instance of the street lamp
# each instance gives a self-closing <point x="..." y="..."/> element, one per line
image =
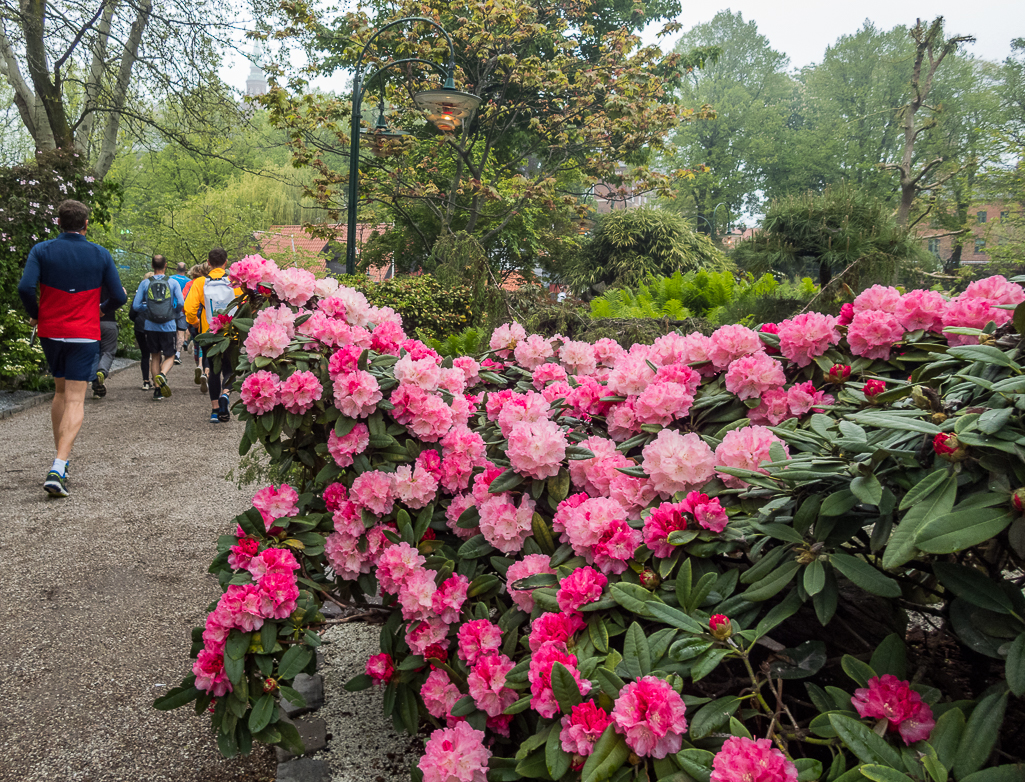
<point x="447" y="107"/>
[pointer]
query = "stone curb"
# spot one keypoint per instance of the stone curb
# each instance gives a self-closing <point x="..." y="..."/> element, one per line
<point x="45" y="396"/>
<point x="312" y="731"/>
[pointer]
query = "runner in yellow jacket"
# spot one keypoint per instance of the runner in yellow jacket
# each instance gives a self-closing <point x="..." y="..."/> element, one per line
<point x="219" y="383"/>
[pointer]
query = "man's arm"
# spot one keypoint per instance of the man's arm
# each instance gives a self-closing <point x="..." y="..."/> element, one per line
<point x="193" y="302"/>
<point x="140" y="294"/>
<point x="28" y="283"/>
<point x="112" y="282"/>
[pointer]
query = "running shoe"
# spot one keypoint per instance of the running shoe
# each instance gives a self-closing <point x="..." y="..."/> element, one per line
<point x="157" y="396"/>
<point x="55" y="484"/>
<point x="214" y="417"/>
<point x="99" y="390"/>
<point x="161" y="383"/>
<point x="177" y="359"/>
<point x="204" y="386"/>
<point x="147" y="386"/>
<point x="199" y="374"/>
<point x="223" y="414"/>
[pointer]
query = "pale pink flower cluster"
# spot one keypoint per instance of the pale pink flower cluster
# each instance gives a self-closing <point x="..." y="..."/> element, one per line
<point x="343" y="448"/>
<point x="276" y="503"/>
<point x="375" y="491"/>
<point x="537" y="448"/>
<point x="728" y="343"/>
<point x="300" y="391"/>
<point x="294" y="285"/>
<point x="261" y="392"/>
<point x="806" y="336"/>
<point x="678" y="462"/>
<point x="921" y="309"/>
<point x="462" y="451"/>
<point x="455" y="754"/>
<point x="505" y="338"/>
<point x="595" y="475"/>
<point x="415" y="487"/>
<point x="778" y="404"/>
<point x="357" y="393"/>
<point x="578" y="357"/>
<point x="751" y="760"/>
<point x="652" y="717"/>
<point x="252" y="272"/>
<point x="504" y="524"/>
<point x="746" y="449"/>
<point x="459" y="504"/>
<point x="878" y="298"/>
<point x="423" y="372"/>
<point x="530" y="565"/>
<point x="748" y="377"/>
<point x="548" y="373"/>
<point x="268" y="340"/>
<point x="873" y="333"/>
<point x="439" y="695"/>
<point x="533" y="351"/>
<point x="598" y="531"/>
<point x="395" y="565"/>
<point x="486" y="684"/>
<point x="447" y="601"/>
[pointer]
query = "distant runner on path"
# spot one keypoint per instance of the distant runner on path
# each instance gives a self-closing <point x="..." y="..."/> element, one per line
<point x="160" y="301"/>
<point x="72" y="275"/>
<point x="209" y="297"/>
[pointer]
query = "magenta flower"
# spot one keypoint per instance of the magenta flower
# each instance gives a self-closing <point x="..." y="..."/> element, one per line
<point x="455" y="754"/>
<point x="582" y="727"/>
<point x="261" y="392"/>
<point x="584" y="585"/>
<point x="380" y="668"/>
<point x="751" y="760"/>
<point x="299" y="392"/>
<point x="888" y="698"/>
<point x="530" y="565"/>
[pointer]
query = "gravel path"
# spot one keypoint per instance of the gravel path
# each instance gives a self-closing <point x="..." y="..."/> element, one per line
<point x="100" y="590"/>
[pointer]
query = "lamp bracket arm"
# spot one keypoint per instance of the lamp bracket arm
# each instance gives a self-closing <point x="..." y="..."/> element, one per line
<point x="431" y="22"/>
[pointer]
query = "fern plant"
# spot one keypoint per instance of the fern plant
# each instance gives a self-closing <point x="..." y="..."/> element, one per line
<point x="466" y="343"/>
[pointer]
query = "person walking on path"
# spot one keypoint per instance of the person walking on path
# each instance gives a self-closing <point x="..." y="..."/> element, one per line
<point x="197" y="271"/>
<point x="160" y="299"/>
<point x="108" y="347"/>
<point x="139" y="328"/>
<point x="209" y="297"/>
<point x="70" y="272"/>
<point x="183" y="279"/>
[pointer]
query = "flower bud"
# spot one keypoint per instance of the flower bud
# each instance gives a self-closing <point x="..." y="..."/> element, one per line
<point x="1018" y="500"/>
<point x="987" y="339"/>
<point x="269" y="685"/>
<point x="948" y="447"/>
<point x="938" y="418"/>
<point x="846" y="315"/>
<point x="873" y="388"/>
<point x="921" y="401"/>
<point x="720" y="626"/>
<point x="649" y="579"/>
<point x="839" y="373"/>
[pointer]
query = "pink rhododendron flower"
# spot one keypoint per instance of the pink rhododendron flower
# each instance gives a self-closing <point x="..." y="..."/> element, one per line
<point x="380" y="668"/>
<point x="806" y="336"/>
<point x="750" y="376"/>
<point x="530" y="565"/>
<point x="540" y="675"/>
<point x="888" y="698"/>
<point x="470" y="369"/>
<point x="802" y="398"/>
<point x="505" y="338"/>
<point x="973" y="313"/>
<point x="357" y="394"/>
<point x="455" y="509"/>
<point x="997" y="290"/>
<point x="555" y="627"/>
<point x="584" y="585"/>
<point x="455" y="754"/>
<point x="210" y="675"/>
<point x="486" y="684"/>
<point x="677" y="462"/>
<point x="416" y="594"/>
<point x="517" y="408"/>
<point x="476" y="639"/>
<point x="597" y="530"/>
<point x="582" y="727"/>
<point x="424" y="373"/>
<point x="294" y="285"/>
<point x="426" y="634"/>
<point x="773" y="409"/>
<point x="622" y="422"/>
<point x="594" y="475"/>
<point x="746" y="449"/>
<point x="261" y="392"/>
<point x="375" y="491"/>
<point x="630" y="376"/>
<point x="430" y="418"/>
<point x="281" y="315"/>
<point x="632" y="492"/>
<point x="343" y="554"/>
<point x="880" y="298"/>
<point x="266" y="339"/>
<point x="242" y="553"/>
<point x="607" y="351"/>
<point x="663" y="520"/>
<point x="708" y="513"/>
<point x="448" y="599"/>
<point x="728" y="343"/>
<point x="846" y="315"/>
<point x="873" y="333"/>
<point x="299" y="392"/>
<point x="276" y="504"/>
<point x="921" y="309"/>
<point x="547" y="373"/>
<point x="439" y="695"/>
<point x="415" y="487"/>
<point x="242" y="603"/>
<point x="504" y="525"/>
<point x="578" y="357"/>
<point x="751" y="760"/>
<point x="343" y="448"/>
<point x="343" y="361"/>
<point x="272" y="560"/>
<point x="533" y="351"/>
<point x="662" y="403"/>
<point x="324" y="287"/>
<point x="219" y="322"/>
<point x="252" y="271"/>
<point x="278" y="594"/>
<point x="651" y="715"/>
<point x="537" y="448"/>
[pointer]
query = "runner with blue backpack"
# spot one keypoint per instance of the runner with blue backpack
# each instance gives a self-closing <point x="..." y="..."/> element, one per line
<point x="159" y="299"/>
<point x="208" y="297"/>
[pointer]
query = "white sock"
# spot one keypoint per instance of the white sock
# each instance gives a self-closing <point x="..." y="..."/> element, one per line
<point x="59" y="465"/>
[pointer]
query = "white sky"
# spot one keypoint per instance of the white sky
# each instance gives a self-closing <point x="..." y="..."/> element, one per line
<point x="802" y="29"/>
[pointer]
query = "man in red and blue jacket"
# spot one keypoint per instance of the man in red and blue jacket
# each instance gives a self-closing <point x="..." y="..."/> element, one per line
<point x="73" y="276"/>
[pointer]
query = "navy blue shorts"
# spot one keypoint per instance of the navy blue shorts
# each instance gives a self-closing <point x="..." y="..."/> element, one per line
<point x="71" y="360"/>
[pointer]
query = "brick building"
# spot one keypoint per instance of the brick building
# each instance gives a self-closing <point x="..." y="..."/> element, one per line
<point x="315" y="253"/>
<point x="989" y="224"/>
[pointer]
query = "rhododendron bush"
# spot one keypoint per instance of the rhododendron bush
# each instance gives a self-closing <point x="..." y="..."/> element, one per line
<point x="785" y="553"/>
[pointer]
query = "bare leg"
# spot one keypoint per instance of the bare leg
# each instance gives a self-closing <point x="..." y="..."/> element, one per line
<point x="154" y="365"/>
<point x="166" y="364"/>
<point x="57" y="410"/>
<point x="73" y="404"/>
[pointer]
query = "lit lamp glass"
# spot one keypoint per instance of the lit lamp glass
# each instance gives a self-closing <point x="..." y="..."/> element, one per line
<point x="447" y="108"/>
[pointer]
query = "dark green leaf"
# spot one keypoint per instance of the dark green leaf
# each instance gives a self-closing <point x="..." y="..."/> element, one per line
<point x="175" y="698"/>
<point x="610" y="752"/>
<point x="557" y="759"/>
<point x="974" y="586"/>
<point x="1015" y="666"/>
<point x="959" y="530"/>
<point x="883" y="774"/>
<point x="712" y="716"/>
<point x="864" y="575"/>
<point x="263" y="710"/>
<point x="865" y="744"/>
<point x="293" y="661"/>
<point x="867" y="489"/>
<point x="857" y="670"/>
<point x="980" y="735"/>
<point x="636" y="652"/>
<point x="890" y="657"/>
<point x="800" y="662"/>
<point x="507" y="481"/>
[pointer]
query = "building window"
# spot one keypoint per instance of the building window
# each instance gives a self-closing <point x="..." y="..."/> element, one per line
<point x="980" y="246"/>
<point x="934" y="247"/>
<point x="1004" y="216"/>
<point x="981" y="217"/>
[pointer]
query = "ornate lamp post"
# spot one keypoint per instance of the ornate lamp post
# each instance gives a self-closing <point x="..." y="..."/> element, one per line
<point x="447" y="107"/>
